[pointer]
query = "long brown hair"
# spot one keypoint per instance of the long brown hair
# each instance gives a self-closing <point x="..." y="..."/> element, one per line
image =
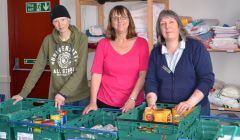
<point x="120" y="10"/>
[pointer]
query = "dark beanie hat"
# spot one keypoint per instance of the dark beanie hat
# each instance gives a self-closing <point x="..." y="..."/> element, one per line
<point x="59" y="11"/>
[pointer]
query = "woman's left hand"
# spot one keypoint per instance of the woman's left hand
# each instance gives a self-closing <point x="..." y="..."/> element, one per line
<point x="129" y="105"/>
<point x="182" y="107"/>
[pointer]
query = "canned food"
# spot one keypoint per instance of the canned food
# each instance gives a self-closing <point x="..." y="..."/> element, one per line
<point x="48" y="122"/>
<point x="162" y="115"/>
<point x="148" y="114"/>
<point x="176" y="118"/>
<point x="63" y="115"/>
<point x="56" y="118"/>
<point x="37" y="121"/>
<point x="184" y="21"/>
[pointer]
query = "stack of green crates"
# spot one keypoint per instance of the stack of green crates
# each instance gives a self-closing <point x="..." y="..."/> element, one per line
<point x="10" y="112"/>
<point x="208" y="127"/>
<point x="80" y="128"/>
<point x="228" y="132"/>
<point x="24" y="129"/>
<point x="132" y="127"/>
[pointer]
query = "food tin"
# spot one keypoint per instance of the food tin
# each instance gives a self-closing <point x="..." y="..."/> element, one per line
<point x="162" y="115"/>
<point x="148" y="114"/>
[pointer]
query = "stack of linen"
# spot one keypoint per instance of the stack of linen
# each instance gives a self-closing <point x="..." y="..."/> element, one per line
<point x="139" y="15"/>
<point x="225" y="38"/>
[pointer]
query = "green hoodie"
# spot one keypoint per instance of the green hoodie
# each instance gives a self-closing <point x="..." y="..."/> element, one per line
<point x="68" y="64"/>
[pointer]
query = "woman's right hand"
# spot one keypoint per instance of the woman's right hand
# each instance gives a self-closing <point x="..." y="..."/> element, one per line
<point x="151" y="100"/>
<point x="17" y="98"/>
<point x="88" y="108"/>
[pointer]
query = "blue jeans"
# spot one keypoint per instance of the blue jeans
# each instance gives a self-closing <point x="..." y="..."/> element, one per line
<point x="83" y="102"/>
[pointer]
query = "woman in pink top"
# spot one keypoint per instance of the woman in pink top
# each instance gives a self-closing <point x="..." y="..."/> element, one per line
<point x="119" y="66"/>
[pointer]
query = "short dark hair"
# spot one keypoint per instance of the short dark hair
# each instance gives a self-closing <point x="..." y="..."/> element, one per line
<point x="121" y="10"/>
<point x="169" y="13"/>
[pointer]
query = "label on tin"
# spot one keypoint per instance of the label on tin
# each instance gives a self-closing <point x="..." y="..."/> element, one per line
<point x="24" y="136"/>
<point x="148" y="114"/>
<point x="56" y="118"/>
<point x="63" y="115"/>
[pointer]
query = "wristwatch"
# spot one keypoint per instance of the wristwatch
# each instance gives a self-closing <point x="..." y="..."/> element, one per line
<point x="132" y="98"/>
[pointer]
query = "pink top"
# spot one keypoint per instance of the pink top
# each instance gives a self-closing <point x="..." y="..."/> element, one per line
<point x="119" y="71"/>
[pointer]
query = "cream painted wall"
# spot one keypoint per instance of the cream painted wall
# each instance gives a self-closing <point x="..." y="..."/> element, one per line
<point x="227" y="11"/>
<point x="4" y="53"/>
<point x="70" y="5"/>
<point x="226" y="66"/>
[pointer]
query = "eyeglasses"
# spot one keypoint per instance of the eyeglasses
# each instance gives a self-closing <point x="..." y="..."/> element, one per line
<point x="119" y="18"/>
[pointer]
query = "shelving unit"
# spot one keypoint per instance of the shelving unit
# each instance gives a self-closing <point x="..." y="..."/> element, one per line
<point x="224" y="50"/>
<point x="101" y="15"/>
<point x="216" y="109"/>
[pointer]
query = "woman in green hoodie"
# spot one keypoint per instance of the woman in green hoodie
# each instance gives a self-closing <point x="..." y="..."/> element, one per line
<point x="65" y="51"/>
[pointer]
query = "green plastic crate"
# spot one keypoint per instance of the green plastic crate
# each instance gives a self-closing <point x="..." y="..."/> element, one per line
<point x="131" y="126"/>
<point x="23" y="129"/>
<point x="10" y="112"/>
<point x="229" y="132"/>
<point x="80" y="128"/>
<point x="207" y="127"/>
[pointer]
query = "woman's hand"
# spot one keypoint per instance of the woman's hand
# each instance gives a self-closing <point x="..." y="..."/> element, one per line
<point x="151" y="100"/>
<point x="88" y="108"/>
<point x="17" y="98"/>
<point x="59" y="100"/>
<point x="153" y="106"/>
<point x="182" y="107"/>
<point x="129" y="105"/>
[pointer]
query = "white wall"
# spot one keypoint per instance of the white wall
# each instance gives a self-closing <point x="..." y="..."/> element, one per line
<point x="226" y="66"/>
<point x="70" y="5"/>
<point x="4" y="53"/>
<point x="227" y="11"/>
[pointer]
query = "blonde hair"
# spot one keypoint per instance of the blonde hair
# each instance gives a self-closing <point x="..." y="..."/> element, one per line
<point x="169" y="13"/>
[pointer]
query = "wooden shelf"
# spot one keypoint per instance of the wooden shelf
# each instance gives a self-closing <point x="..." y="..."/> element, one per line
<point x="101" y="15"/>
<point x="213" y="107"/>
<point x="224" y="50"/>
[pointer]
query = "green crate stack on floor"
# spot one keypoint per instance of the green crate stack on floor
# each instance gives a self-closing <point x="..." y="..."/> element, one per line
<point x="10" y="112"/>
<point x="209" y="127"/>
<point x="228" y="132"/>
<point x="23" y="129"/>
<point x="131" y="125"/>
<point x="81" y="128"/>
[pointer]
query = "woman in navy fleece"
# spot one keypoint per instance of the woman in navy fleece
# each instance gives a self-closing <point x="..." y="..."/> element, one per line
<point x="180" y="68"/>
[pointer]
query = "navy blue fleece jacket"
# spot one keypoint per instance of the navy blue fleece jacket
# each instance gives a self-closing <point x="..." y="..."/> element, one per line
<point x="193" y="71"/>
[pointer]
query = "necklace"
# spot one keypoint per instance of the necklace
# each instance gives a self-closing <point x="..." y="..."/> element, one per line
<point x="65" y="37"/>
